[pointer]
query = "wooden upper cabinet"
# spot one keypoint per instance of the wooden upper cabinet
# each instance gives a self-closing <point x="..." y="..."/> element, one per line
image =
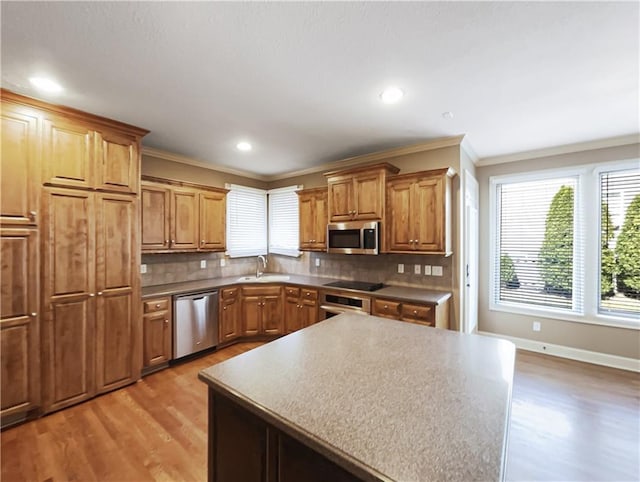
<point x="19" y="165"/>
<point x="419" y="212"/>
<point x="118" y="164"/>
<point x="155" y="214"/>
<point x="213" y="220"/>
<point x="180" y="216"/>
<point x="19" y="322"/>
<point x="184" y="219"/>
<point x="313" y="219"/>
<point x="357" y="194"/>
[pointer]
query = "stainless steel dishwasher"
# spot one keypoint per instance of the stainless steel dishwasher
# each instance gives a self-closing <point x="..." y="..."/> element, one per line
<point x="195" y="324"/>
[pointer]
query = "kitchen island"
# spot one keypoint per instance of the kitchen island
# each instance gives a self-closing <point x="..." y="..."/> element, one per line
<point x="362" y="398"/>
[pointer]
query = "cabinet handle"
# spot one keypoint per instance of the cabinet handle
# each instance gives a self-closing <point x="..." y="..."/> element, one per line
<point x="32" y="215"/>
<point x="34" y="314"/>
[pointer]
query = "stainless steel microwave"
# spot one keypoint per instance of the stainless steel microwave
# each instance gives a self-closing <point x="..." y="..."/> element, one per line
<point x="356" y="237"/>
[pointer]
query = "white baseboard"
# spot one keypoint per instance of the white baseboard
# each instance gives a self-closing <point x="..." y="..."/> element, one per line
<point x="578" y="354"/>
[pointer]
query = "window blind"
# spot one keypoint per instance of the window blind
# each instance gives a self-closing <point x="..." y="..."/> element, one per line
<point x="284" y="221"/>
<point x="246" y="221"/>
<point x="619" y="259"/>
<point x="540" y="245"/>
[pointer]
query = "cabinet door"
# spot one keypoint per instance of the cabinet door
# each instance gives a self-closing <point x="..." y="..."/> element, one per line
<point x="118" y="166"/>
<point x="272" y="322"/>
<point x="307" y="221"/>
<point x="251" y="313"/>
<point x="340" y="199"/>
<point x="399" y="220"/>
<point x="320" y="222"/>
<point x="157" y="338"/>
<point x="155" y="213"/>
<point x="68" y="153"/>
<point x="292" y="315"/>
<point x="20" y="179"/>
<point x="429" y="214"/>
<point x="229" y="319"/>
<point x="19" y="322"/>
<point x="368" y="196"/>
<point x="309" y="312"/>
<point x="68" y="285"/>
<point x="118" y="328"/>
<point x="184" y="219"/>
<point x="212" y="221"/>
<point x="421" y="314"/>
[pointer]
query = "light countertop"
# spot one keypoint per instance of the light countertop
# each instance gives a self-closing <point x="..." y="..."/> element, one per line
<point x="401" y="401"/>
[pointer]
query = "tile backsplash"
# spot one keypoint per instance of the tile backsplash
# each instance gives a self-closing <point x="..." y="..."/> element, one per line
<point x="174" y="268"/>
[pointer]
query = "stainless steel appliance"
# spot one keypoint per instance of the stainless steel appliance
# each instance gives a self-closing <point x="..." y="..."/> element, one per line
<point x="336" y="303"/>
<point x="356" y="237"/>
<point x="195" y="326"/>
<point x="355" y="285"/>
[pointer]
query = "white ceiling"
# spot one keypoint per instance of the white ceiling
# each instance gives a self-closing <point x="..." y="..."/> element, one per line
<point x="301" y="80"/>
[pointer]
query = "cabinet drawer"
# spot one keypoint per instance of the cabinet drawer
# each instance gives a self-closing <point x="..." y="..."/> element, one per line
<point x="386" y="308"/>
<point x="160" y="304"/>
<point x="291" y="292"/>
<point x="260" y="290"/>
<point x="230" y="293"/>
<point x="418" y="313"/>
<point x="309" y="294"/>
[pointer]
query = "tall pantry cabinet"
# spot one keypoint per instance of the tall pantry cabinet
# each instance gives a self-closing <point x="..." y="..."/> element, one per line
<point x="84" y="333"/>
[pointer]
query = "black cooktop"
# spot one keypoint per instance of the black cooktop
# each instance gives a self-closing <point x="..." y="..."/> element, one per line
<point x="356" y="285"/>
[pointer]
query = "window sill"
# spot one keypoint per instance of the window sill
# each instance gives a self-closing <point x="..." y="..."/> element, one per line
<point x="601" y="320"/>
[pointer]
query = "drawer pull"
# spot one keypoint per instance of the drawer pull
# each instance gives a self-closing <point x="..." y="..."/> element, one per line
<point x="34" y="314"/>
<point x="166" y="321"/>
<point x="415" y="312"/>
<point x="386" y="307"/>
<point x="157" y="305"/>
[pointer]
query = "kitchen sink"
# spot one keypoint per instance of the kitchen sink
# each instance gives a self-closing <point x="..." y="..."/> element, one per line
<point x="265" y="278"/>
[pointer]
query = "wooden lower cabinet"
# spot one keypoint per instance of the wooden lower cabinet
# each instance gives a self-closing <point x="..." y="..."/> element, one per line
<point x="262" y="310"/>
<point x="243" y="447"/>
<point x="420" y="313"/>
<point x="230" y="311"/>
<point x="91" y="327"/>
<point x="19" y="324"/>
<point x="300" y="308"/>
<point x="157" y="323"/>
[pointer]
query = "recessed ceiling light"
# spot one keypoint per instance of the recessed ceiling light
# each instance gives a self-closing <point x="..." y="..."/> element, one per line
<point x="243" y="146"/>
<point x="391" y="95"/>
<point x="447" y="115"/>
<point x="46" y="85"/>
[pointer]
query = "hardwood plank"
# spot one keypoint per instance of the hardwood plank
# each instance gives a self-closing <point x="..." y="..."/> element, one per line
<point x="569" y="421"/>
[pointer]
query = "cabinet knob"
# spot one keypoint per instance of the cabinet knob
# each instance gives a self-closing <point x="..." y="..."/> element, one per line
<point x="99" y="293"/>
<point x="415" y="312"/>
<point x="173" y="241"/>
<point x="386" y="307"/>
<point x="32" y="215"/>
<point x="157" y="305"/>
<point x="224" y="307"/>
<point x="91" y="295"/>
<point x="202" y="241"/>
<point x="166" y="241"/>
<point x="411" y="241"/>
<point x="166" y="321"/>
<point x="34" y="314"/>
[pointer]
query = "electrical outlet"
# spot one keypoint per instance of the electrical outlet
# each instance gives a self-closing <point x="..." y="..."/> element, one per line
<point x="317" y="262"/>
<point x="536" y="326"/>
<point x="203" y="263"/>
<point x="416" y="269"/>
<point x="223" y="262"/>
<point x="436" y="270"/>
<point x="400" y="268"/>
<point x="427" y="270"/>
<point x="143" y="268"/>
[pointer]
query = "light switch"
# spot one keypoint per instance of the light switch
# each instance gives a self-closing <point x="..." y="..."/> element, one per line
<point x="203" y="263"/>
<point x="427" y="270"/>
<point x="436" y="270"/>
<point x="416" y="269"/>
<point x="400" y="268"/>
<point x="143" y="268"/>
<point x="317" y="262"/>
<point x="223" y="262"/>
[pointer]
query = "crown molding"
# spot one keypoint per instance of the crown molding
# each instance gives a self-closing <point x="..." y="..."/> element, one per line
<point x="465" y="145"/>
<point x="328" y="166"/>
<point x="558" y="150"/>
<point x="169" y="156"/>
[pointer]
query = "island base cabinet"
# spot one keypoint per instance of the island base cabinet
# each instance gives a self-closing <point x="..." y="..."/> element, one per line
<point x="245" y="448"/>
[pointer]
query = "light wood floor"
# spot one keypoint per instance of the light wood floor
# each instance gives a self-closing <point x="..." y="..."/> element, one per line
<point x="570" y="421"/>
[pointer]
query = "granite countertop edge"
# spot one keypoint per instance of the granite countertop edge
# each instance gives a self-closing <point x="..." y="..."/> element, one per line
<point x="397" y="292"/>
<point x="300" y="434"/>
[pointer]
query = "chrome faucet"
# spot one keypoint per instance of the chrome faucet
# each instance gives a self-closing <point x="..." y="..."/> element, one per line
<point x="264" y="265"/>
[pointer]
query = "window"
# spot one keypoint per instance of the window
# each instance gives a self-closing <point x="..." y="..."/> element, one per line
<point x="283" y="221"/>
<point x="567" y="243"/>
<point x="246" y="221"/>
